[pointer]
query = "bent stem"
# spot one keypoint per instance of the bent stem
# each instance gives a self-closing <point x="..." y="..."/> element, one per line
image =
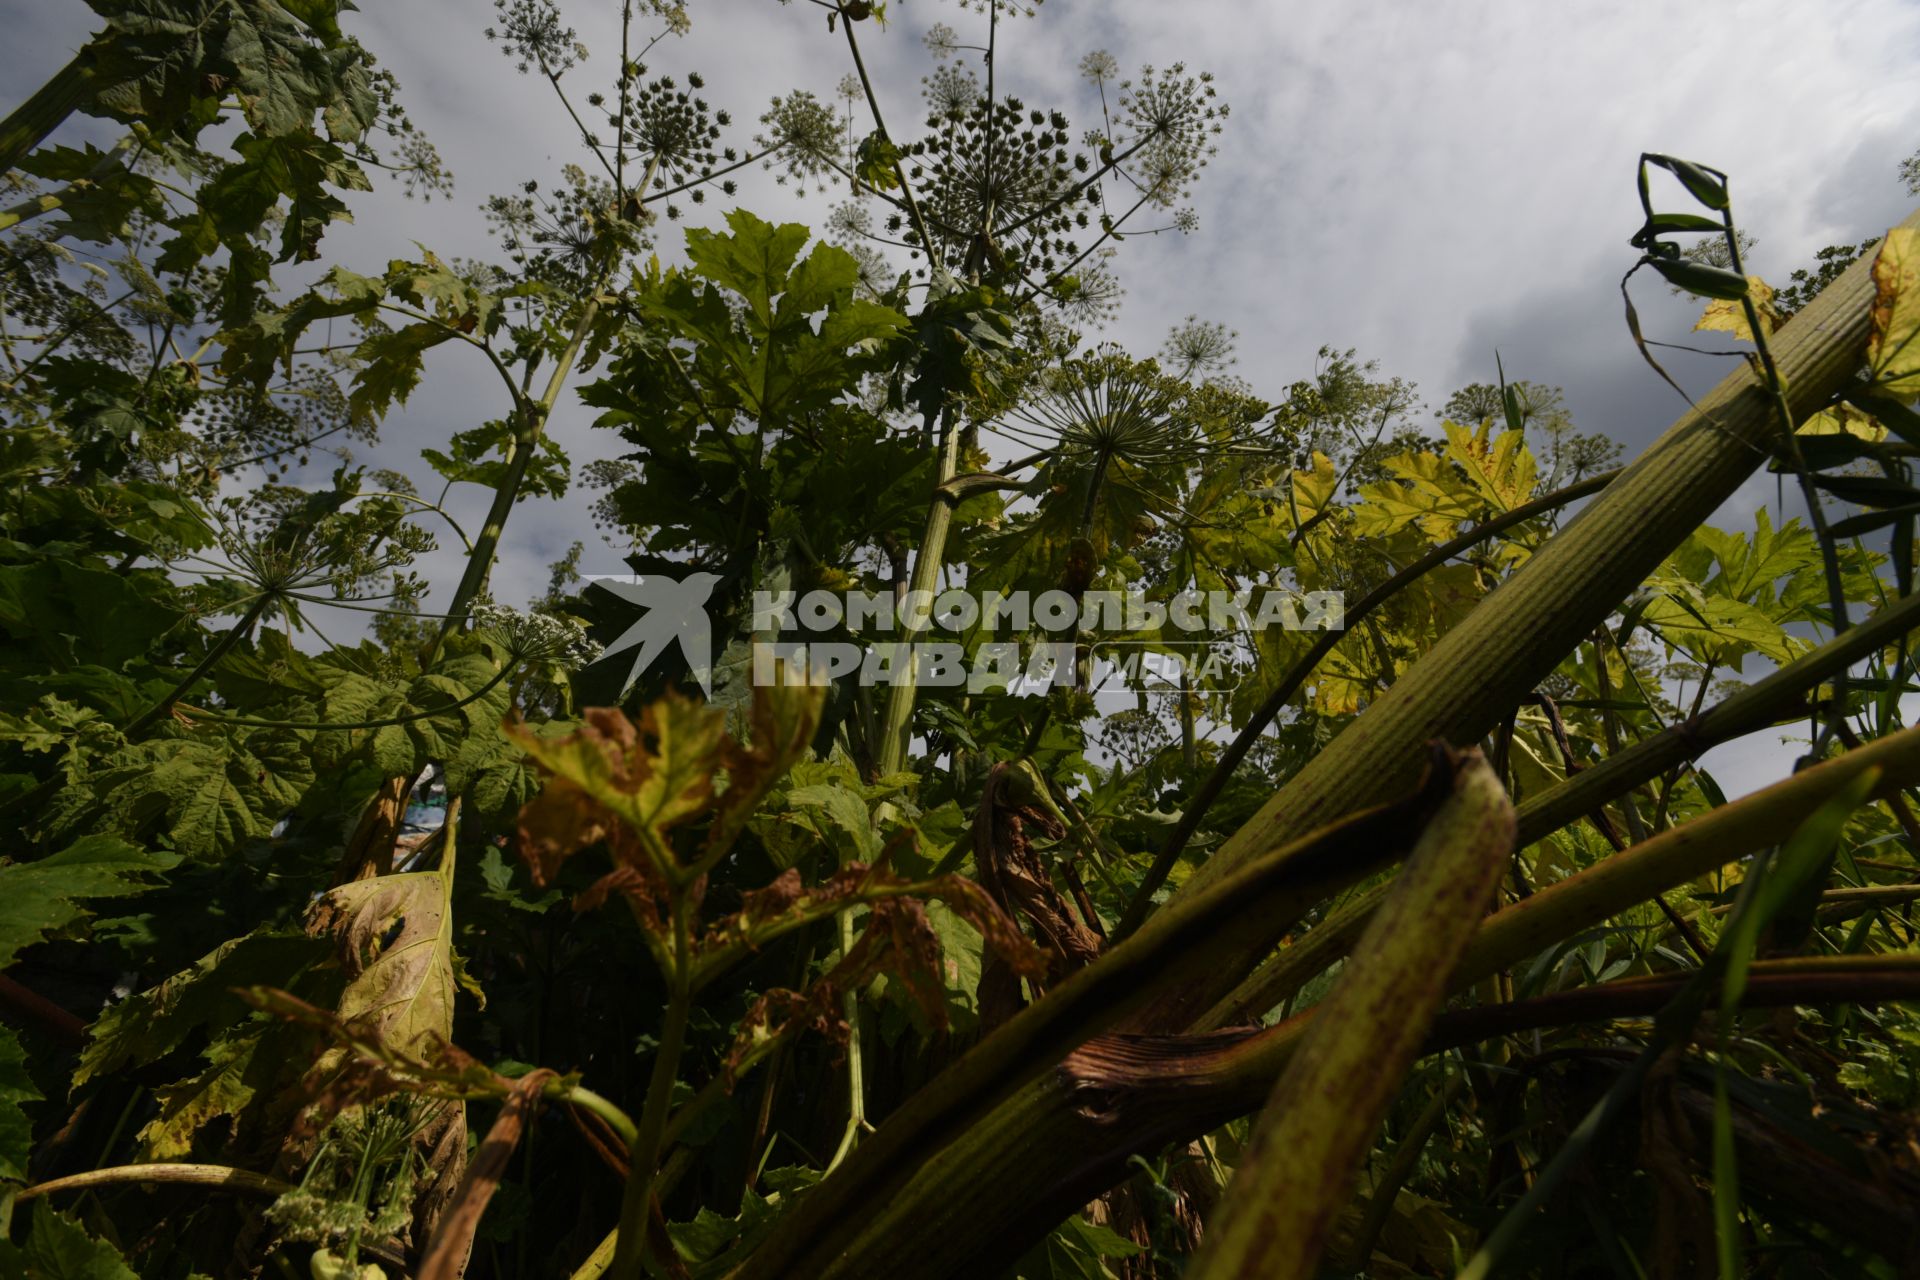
<point x="217" y="1176"/>
<point x="1298" y="674"/>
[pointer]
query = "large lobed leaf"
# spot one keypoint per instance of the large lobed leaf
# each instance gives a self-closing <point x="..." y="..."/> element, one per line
<point x="41" y="899"/>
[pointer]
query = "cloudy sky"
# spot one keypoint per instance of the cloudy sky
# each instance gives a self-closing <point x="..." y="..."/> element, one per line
<point x="1427" y="183"/>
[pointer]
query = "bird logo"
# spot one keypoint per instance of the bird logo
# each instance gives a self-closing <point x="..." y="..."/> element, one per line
<point x="674" y="611"/>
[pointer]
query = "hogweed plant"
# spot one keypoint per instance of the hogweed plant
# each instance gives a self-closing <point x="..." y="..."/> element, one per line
<point x="361" y="923"/>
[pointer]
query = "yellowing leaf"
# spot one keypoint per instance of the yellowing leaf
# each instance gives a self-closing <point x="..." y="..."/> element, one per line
<point x="1715" y="629"/>
<point x="1731" y="316"/>
<point x="1340" y="685"/>
<point x="653" y="775"/>
<point x="1843" y="419"/>
<point x="1313" y="490"/>
<point x="1500" y="467"/>
<point x="235" y="1075"/>
<point x="1425" y="490"/>
<point x="657" y="774"/>
<point x="395" y="936"/>
<point x="1893" y="349"/>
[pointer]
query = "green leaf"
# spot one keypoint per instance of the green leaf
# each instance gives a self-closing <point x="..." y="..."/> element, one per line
<point x="157" y="1021"/>
<point x="1868" y="521"/>
<point x="876" y="161"/>
<point x="1713" y="628"/>
<point x="59" y="1248"/>
<point x="281" y="78"/>
<point x="495" y="776"/>
<point x="753" y="261"/>
<point x="151" y="63"/>
<point x="1701" y="183"/>
<point x="66" y="614"/>
<point x="1695" y="277"/>
<point x="712" y="1239"/>
<point x="1889" y="413"/>
<point x="1826" y="452"/>
<point x="40" y="899"/>
<point x="392" y="362"/>
<point x="1794" y="874"/>
<point x="1076" y="1250"/>
<point x="842" y="810"/>
<point x="1667" y="223"/>
<point x="239" y="1069"/>
<point x="16" y="1129"/>
<point x="1785" y="892"/>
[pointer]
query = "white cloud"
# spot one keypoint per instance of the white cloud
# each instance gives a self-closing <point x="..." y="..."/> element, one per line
<point x="1424" y="182"/>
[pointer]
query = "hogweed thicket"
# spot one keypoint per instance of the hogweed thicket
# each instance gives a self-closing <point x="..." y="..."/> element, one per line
<point x="831" y="980"/>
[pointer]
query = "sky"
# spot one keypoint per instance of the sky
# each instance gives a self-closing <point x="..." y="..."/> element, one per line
<point x="1425" y="183"/>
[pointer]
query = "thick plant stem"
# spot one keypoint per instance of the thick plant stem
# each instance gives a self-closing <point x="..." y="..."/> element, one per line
<point x="1303" y="668"/>
<point x="958" y="1207"/>
<point x="1779" y="696"/>
<point x="897" y="717"/>
<point x="1462" y="687"/>
<point x="1294" y="1174"/>
<point x="1176" y="946"/>
<point x="644" y="1152"/>
<point x="44" y="112"/>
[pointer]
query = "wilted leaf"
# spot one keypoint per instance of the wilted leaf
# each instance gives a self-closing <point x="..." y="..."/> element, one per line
<point x="154" y="1022"/>
<point x="394" y="935"/>
<point x="653" y="776"/>
<point x="1893" y="348"/>
<point x="1731" y="316"/>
